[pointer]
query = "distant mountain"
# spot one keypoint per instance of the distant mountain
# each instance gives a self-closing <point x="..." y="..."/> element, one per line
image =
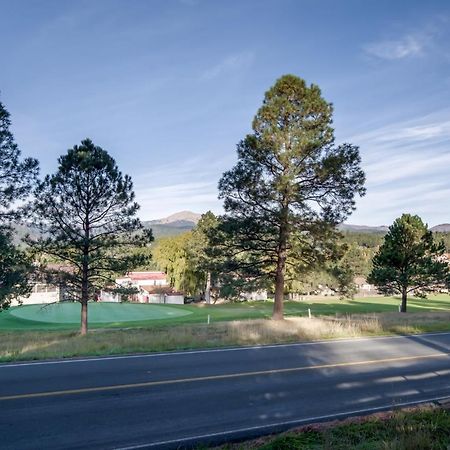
<point x="183" y="221"/>
<point x="442" y="228"/>
<point x="182" y="216"/>
<point x="174" y="224"/>
<point x="362" y="228"/>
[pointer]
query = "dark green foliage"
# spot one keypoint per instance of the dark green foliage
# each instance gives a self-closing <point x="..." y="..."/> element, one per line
<point x="445" y="238"/>
<point x="86" y="214"/>
<point x="344" y="275"/>
<point x="199" y="255"/>
<point x="15" y="269"/>
<point x="289" y="189"/>
<point x="16" y="181"/>
<point x="409" y="260"/>
<point x="367" y="240"/>
<point x="16" y="177"/>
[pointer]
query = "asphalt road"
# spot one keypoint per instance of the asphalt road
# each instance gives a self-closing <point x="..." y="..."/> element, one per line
<point x="173" y="400"/>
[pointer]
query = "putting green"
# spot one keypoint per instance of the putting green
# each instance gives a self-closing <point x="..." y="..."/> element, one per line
<point x="97" y="312"/>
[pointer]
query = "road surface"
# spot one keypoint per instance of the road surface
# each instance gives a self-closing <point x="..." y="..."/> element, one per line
<point x="181" y="399"/>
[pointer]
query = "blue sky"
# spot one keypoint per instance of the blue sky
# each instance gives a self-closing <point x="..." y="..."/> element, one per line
<point x="169" y="88"/>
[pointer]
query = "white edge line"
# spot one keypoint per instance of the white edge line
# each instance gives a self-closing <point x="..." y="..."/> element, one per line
<point x="281" y="424"/>
<point x="219" y="350"/>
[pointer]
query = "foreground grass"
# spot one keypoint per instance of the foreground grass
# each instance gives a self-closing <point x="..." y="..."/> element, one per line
<point x="29" y="345"/>
<point x="417" y="429"/>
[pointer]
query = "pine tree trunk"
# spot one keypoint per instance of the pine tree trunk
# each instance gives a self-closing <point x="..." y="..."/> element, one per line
<point x="404" y="299"/>
<point x="84" y="318"/>
<point x="208" y="288"/>
<point x="85" y="279"/>
<point x="278" y="306"/>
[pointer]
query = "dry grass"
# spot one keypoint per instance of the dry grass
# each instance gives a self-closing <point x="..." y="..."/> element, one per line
<point x="45" y="344"/>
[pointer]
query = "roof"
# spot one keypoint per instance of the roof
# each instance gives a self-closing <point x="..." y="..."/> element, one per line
<point x="161" y="290"/>
<point x="142" y="276"/>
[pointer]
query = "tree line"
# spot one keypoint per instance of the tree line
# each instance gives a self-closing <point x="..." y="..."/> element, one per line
<point x="283" y="200"/>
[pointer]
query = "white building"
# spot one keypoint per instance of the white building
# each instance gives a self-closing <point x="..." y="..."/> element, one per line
<point x="137" y="279"/>
<point x="152" y="288"/>
<point x="41" y="293"/>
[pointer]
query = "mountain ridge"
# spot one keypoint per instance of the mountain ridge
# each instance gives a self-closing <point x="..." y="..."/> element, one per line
<point x="183" y="221"/>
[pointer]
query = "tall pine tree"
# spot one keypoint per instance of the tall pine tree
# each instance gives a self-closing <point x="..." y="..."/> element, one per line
<point x="409" y="260"/>
<point x="289" y="189"/>
<point x="17" y="177"/>
<point x="86" y="213"/>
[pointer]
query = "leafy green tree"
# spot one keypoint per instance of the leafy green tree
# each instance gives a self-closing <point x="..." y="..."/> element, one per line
<point x="409" y="260"/>
<point x="15" y="269"/>
<point x="17" y="177"/>
<point x="289" y="189"/>
<point x="86" y="213"/>
<point x="198" y="251"/>
<point x="171" y="255"/>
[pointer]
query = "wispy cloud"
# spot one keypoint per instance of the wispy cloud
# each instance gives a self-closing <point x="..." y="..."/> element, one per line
<point x="159" y="201"/>
<point x="419" y="132"/>
<point x="189" y="184"/>
<point x="407" y="46"/>
<point x="229" y="65"/>
<point x="406" y="165"/>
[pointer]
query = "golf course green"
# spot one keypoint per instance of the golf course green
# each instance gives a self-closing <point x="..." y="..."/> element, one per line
<point x="101" y="313"/>
<point x="59" y="316"/>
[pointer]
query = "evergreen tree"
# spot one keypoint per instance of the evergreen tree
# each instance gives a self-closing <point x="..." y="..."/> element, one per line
<point x="15" y="269"/>
<point x="409" y="260"/>
<point x="87" y="216"/>
<point x="17" y="176"/>
<point x="289" y="189"/>
<point x="16" y="181"/>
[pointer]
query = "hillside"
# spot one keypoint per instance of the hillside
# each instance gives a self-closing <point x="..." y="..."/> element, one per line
<point x="362" y="228"/>
<point x="183" y="221"/>
<point x="443" y="228"/>
<point x="174" y="224"/>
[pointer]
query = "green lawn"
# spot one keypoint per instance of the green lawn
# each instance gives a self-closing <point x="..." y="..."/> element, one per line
<point x="111" y="315"/>
<point x="416" y="429"/>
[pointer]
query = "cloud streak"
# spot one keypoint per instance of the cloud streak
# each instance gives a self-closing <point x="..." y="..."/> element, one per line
<point x="404" y="47"/>
<point x="230" y="65"/>
<point x="406" y="165"/>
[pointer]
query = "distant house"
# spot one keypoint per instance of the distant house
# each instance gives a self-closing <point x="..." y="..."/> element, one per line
<point x="137" y="279"/>
<point x="151" y="287"/>
<point x="163" y="294"/>
<point x="41" y="293"/>
<point x="255" y="295"/>
<point x="363" y="287"/>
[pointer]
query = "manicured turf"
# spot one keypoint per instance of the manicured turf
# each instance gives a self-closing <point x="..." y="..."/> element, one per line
<point x="101" y="315"/>
<point x="67" y="313"/>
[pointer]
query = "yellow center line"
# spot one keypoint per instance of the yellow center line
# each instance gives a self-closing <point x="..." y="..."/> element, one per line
<point x="218" y="377"/>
